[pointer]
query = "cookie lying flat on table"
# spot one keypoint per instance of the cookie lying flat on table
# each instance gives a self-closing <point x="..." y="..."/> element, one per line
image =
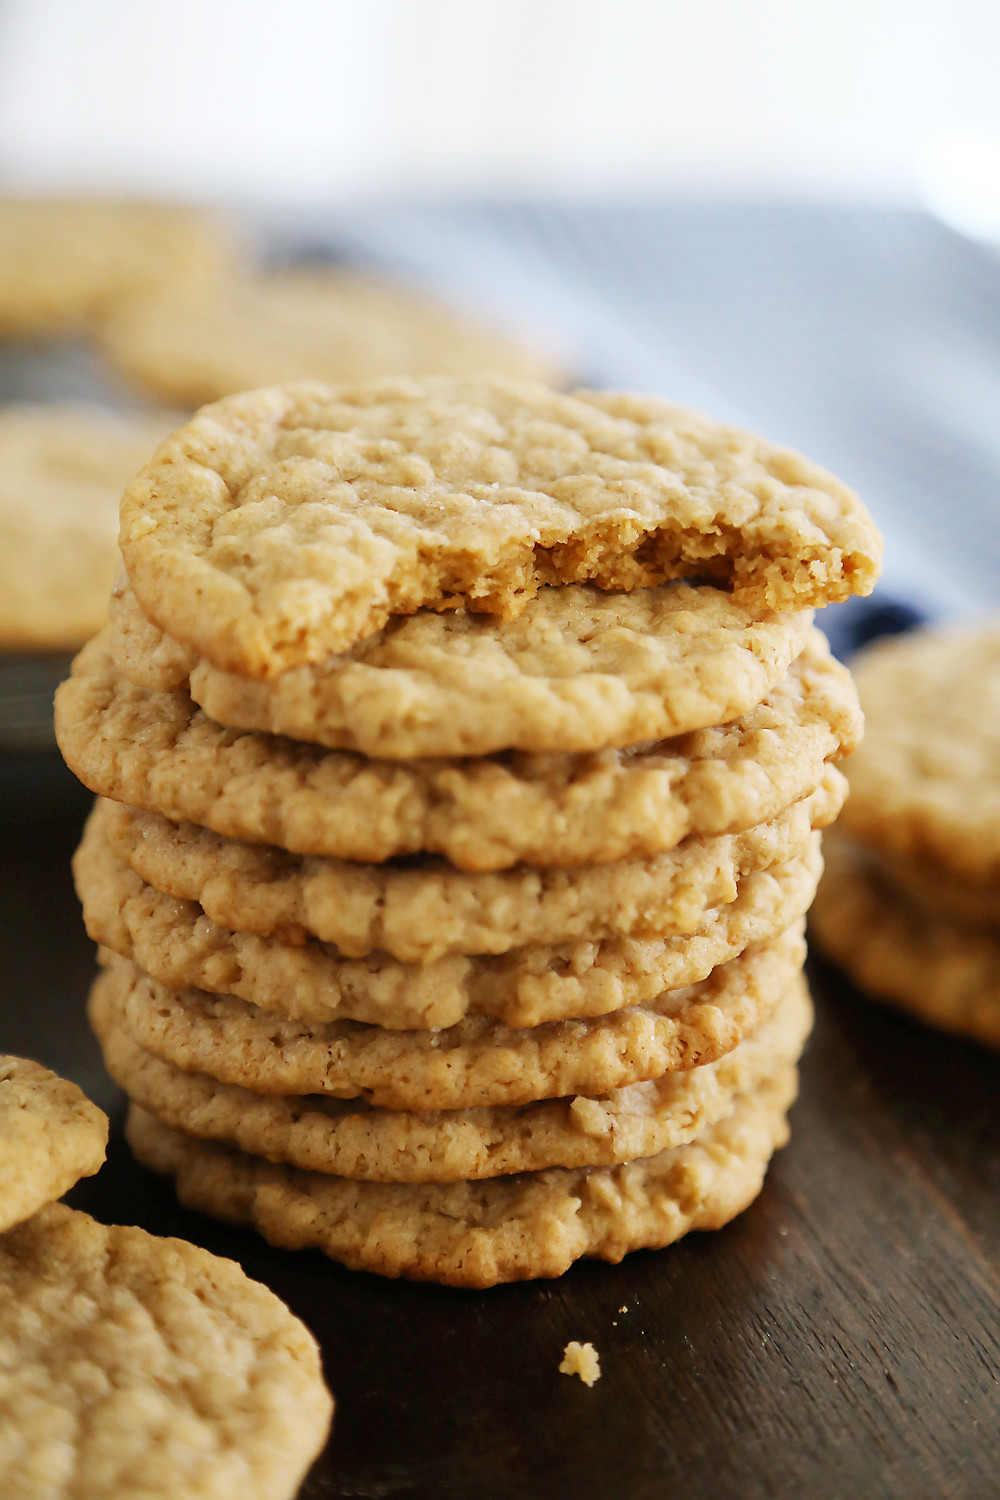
<point x="313" y="323"/>
<point x="66" y="261"/>
<point x="354" y="1139"/>
<point x="133" y="1366"/>
<point x="421" y="910"/>
<point x="946" y="974"/>
<point x="50" y="1136"/>
<point x="282" y="525"/>
<point x="157" y="751"/>
<point x="62" y="471"/>
<point x="176" y="943"/>
<point x="578" y="669"/>
<point x="925" y="783"/>
<point x="476" y="1063"/>
<point x="476" y="1234"/>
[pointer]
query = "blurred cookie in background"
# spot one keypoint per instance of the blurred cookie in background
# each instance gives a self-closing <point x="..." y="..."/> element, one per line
<point x="910" y="902"/>
<point x="66" y="261"/>
<point x="62" y="472"/>
<point x="192" y="345"/>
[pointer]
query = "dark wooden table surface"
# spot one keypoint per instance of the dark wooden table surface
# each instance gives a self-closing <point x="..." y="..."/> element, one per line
<point x="841" y="1339"/>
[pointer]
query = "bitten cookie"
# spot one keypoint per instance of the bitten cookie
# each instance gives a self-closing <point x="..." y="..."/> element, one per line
<point x="50" y="1136"/>
<point x="133" y="1366"/>
<point x="281" y="525"/>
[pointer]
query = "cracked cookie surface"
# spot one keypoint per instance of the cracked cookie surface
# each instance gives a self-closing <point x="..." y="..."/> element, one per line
<point x="177" y="944"/>
<point x="50" y="1136"/>
<point x="135" y="1366"/>
<point x="157" y="751"/>
<point x="578" y="669"/>
<point x="282" y="525"/>
<point x="371" y="1144"/>
<point x="475" y="1063"/>
<point x="420" y="910"/>
<point x="477" y="1234"/>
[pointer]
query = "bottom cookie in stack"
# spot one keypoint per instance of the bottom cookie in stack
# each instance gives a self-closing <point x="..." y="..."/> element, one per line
<point x="909" y="904"/>
<point x="472" y="1195"/>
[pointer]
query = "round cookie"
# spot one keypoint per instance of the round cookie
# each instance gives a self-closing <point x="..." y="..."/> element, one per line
<point x="158" y="752"/>
<point x="282" y="525"/>
<point x="312" y="323"/>
<point x="50" y="1136"/>
<point x="353" y="1139"/>
<point x="176" y="943"/>
<point x="476" y="1234"/>
<point x="925" y="784"/>
<point x="946" y="974"/>
<point x="62" y="471"/>
<point x="134" y="1366"/>
<point x="420" y="911"/>
<point x="578" y="669"/>
<point x="478" y="1062"/>
<point x="64" y="262"/>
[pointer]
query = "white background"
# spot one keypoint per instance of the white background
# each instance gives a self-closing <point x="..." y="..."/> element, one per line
<point x="352" y="100"/>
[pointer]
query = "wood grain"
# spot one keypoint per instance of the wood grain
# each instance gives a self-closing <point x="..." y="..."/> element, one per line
<point x="840" y="1340"/>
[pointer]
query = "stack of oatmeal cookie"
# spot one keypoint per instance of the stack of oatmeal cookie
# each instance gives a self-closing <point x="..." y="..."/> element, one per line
<point x="464" y="747"/>
<point x="910" y="903"/>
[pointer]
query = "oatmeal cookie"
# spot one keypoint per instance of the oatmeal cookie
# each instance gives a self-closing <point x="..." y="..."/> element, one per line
<point x="476" y="1063"/>
<point x="282" y="525"/>
<point x="134" y="1367"/>
<point x="157" y="751"/>
<point x="50" y="1136"/>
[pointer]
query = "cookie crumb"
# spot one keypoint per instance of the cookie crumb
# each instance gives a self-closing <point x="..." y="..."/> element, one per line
<point x="582" y="1360"/>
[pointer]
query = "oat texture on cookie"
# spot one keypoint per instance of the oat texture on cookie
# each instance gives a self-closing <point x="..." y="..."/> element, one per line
<point x="135" y="1366"/>
<point x="132" y="1366"/>
<point x="910" y="904"/>
<point x="463" y="750"/>
<point x="282" y="525"/>
<point x="50" y="1136"/>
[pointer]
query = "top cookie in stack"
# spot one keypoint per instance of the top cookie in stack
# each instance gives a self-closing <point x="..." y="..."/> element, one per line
<point x="472" y="740"/>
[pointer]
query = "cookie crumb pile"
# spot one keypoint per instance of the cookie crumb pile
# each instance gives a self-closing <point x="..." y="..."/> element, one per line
<point x="910" y="902"/>
<point x="462" y="749"/>
<point x="132" y="1365"/>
